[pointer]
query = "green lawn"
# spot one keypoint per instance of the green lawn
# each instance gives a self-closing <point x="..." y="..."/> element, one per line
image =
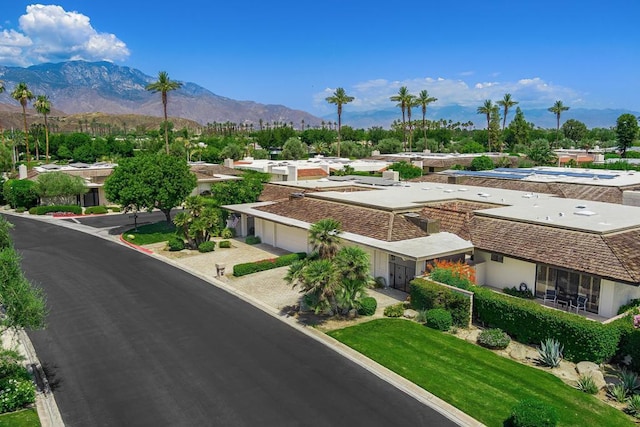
<point x="24" y="418"/>
<point x="150" y="233"/>
<point x="477" y="381"/>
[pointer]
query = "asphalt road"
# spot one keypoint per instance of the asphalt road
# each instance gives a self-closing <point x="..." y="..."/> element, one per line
<point x="132" y="341"/>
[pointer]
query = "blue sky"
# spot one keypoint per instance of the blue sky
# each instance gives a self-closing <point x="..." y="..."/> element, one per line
<point x="585" y="53"/>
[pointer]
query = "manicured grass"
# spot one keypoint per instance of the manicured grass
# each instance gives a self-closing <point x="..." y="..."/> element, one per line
<point x="477" y="381"/>
<point x="150" y="233"/>
<point x="24" y="418"/>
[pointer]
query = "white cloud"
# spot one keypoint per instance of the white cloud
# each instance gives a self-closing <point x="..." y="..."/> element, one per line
<point x="529" y="92"/>
<point x="48" y="33"/>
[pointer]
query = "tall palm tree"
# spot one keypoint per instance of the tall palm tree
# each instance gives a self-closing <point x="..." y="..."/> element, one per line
<point x="339" y="98"/>
<point x="23" y="95"/>
<point x="557" y="109"/>
<point x="411" y="102"/>
<point x="486" y="109"/>
<point x="506" y="103"/>
<point x="423" y="100"/>
<point x="164" y="85"/>
<point x="43" y="106"/>
<point x="324" y="237"/>
<point x="401" y="99"/>
<point x="1" y="130"/>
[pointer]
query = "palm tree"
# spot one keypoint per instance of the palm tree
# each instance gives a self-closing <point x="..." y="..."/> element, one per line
<point x="324" y="237"/>
<point x="1" y="131"/>
<point x="164" y="85"/>
<point x="23" y="95"/>
<point x="339" y="98"/>
<point x="43" y="106"/>
<point x="486" y="109"/>
<point x="557" y="109"/>
<point x="506" y="103"/>
<point x="423" y="100"/>
<point x="411" y="102"/>
<point x="401" y="99"/>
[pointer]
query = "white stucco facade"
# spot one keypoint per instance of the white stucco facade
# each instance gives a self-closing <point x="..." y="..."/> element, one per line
<point x="506" y="274"/>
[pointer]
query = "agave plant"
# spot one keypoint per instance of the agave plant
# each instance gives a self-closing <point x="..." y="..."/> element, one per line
<point x="550" y="353"/>
<point x="633" y="405"/>
<point x="617" y="392"/>
<point x="629" y="380"/>
<point x="587" y="384"/>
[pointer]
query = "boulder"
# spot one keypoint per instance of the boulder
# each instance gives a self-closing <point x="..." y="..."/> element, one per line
<point x="472" y="336"/>
<point x="410" y="313"/>
<point x="584" y="368"/>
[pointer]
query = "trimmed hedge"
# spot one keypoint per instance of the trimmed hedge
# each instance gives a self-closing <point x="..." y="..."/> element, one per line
<point x="395" y="310"/>
<point x="175" y="244"/>
<point x="224" y="244"/>
<point x="208" y="246"/>
<point x="529" y="323"/>
<point x="426" y="295"/>
<point x="96" y="210"/>
<point x="252" y="240"/>
<point x="267" y="264"/>
<point x="439" y="319"/>
<point x="43" y="210"/>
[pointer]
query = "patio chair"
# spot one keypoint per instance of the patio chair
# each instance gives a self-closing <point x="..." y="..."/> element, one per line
<point x="550" y="295"/>
<point x="580" y="303"/>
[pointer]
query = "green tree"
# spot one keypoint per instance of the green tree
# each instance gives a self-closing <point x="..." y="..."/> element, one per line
<point x="506" y="103"/>
<point x="519" y="130"/>
<point x="352" y="265"/>
<point x="246" y="190"/>
<point x="482" y="163"/>
<point x="233" y="151"/>
<point x="557" y="109"/>
<point x="23" y="95"/>
<point x="626" y="132"/>
<point x="59" y="188"/>
<point x="198" y="222"/>
<point x="486" y="109"/>
<point x="339" y="98"/>
<point x="406" y="170"/>
<point x="20" y="193"/>
<point x="43" y="106"/>
<point x="423" y="100"/>
<point x="151" y="181"/>
<point x="294" y="149"/>
<point x="324" y="237"/>
<point x="540" y="152"/>
<point x="402" y="98"/>
<point x="389" y="146"/>
<point x="163" y="85"/>
<point x="494" y="127"/>
<point x="574" y="130"/>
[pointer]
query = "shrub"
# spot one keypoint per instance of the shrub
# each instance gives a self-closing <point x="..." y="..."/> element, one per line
<point x="208" y="246"/>
<point x="426" y="295"/>
<point x="628" y="306"/>
<point x="550" y="353"/>
<point x="481" y="163"/>
<point x="43" y="210"/>
<point x="633" y="406"/>
<point x="368" y="306"/>
<point x="96" y="210"/>
<point x="395" y="310"/>
<point x="458" y="274"/>
<point x="515" y="292"/>
<point x="533" y="413"/>
<point x="228" y="233"/>
<point x="617" y="392"/>
<point x="224" y="244"/>
<point x="252" y="240"/>
<point x="439" y="318"/>
<point x="16" y="393"/>
<point x="20" y="193"/>
<point x="587" y="384"/>
<point x="114" y="208"/>
<point x="421" y="317"/>
<point x="267" y="264"/>
<point x="175" y="244"/>
<point x="21" y="210"/>
<point x="629" y="380"/>
<point x="529" y="323"/>
<point x="494" y="338"/>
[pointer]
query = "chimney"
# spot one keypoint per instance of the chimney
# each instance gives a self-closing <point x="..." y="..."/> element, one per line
<point x="228" y="163"/>
<point x="22" y="172"/>
<point x="431" y="226"/>
<point x="392" y="175"/>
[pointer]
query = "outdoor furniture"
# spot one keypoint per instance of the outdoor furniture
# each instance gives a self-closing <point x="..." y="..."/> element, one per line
<point x="580" y="303"/>
<point x="550" y="295"/>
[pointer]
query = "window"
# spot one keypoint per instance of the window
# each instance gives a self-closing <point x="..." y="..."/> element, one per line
<point x="497" y="258"/>
<point x="569" y="285"/>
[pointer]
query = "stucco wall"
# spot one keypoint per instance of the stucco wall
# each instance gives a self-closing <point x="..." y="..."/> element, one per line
<point x="613" y="295"/>
<point x="291" y="238"/>
<point x="508" y="273"/>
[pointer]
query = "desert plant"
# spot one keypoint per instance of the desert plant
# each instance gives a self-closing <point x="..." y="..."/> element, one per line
<point x="395" y="310"/>
<point x="439" y="318"/>
<point x="587" y="384"/>
<point x="617" y="392"/>
<point x="208" y="246"/>
<point x="550" y="353"/>
<point x="380" y="282"/>
<point x="533" y="413"/>
<point x="421" y="317"/>
<point x="629" y="379"/>
<point x="368" y="306"/>
<point x="224" y="244"/>
<point x="175" y="244"/>
<point x="633" y="405"/>
<point x="494" y="339"/>
<point x="228" y="233"/>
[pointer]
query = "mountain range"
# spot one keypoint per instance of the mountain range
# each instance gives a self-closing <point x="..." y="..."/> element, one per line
<point x="79" y="87"/>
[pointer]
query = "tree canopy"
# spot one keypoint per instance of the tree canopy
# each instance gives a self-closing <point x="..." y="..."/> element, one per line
<point x="59" y="187"/>
<point x="626" y="131"/>
<point x="150" y="181"/>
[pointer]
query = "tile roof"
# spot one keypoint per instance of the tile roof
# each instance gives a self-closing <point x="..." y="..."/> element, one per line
<point x="454" y="215"/>
<point x="367" y="222"/>
<point x="601" y="255"/>
<point x="311" y="173"/>
<point x="214" y="169"/>
<point x="271" y="192"/>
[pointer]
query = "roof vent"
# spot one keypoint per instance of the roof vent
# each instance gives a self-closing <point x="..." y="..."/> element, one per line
<point x="485" y="195"/>
<point x="296" y="196"/>
<point x="584" y="213"/>
<point x="561" y="214"/>
<point x="581" y="206"/>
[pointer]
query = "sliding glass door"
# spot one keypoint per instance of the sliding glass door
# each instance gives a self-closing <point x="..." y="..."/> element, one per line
<point x="568" y="285"/>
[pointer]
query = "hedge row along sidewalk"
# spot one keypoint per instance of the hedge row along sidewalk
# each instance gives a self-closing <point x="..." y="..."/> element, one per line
<point x="267" y="264"/>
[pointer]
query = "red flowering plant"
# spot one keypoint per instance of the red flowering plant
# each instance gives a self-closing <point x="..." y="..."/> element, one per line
<point x="458" y="274"/>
